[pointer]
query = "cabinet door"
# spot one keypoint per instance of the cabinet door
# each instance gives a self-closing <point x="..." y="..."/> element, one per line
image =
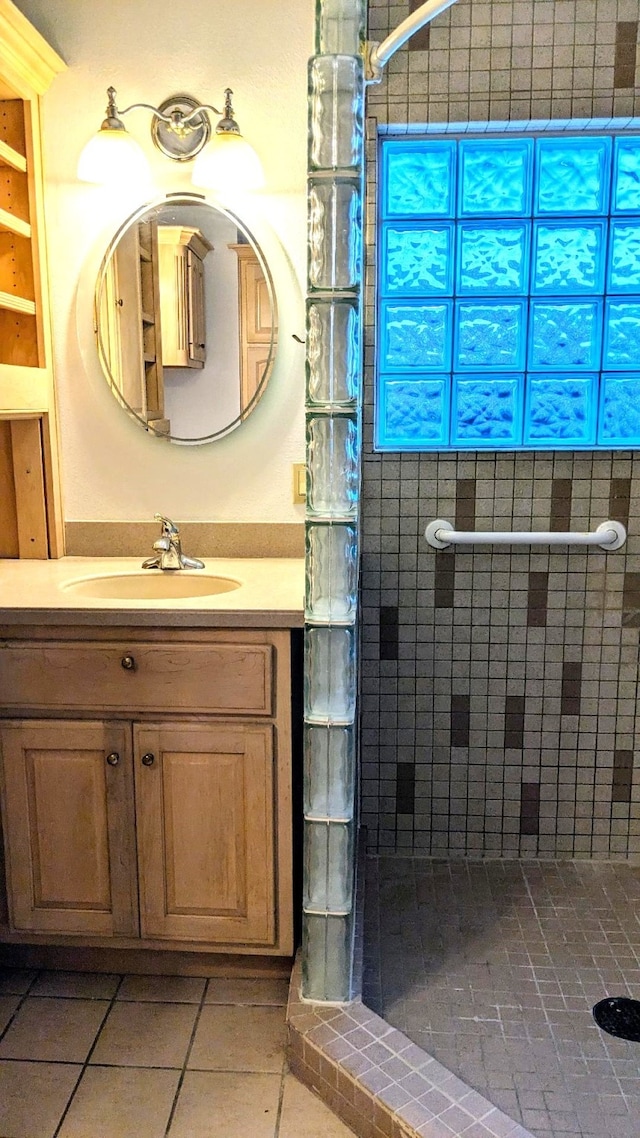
<point x="69" y="830"/>
<point x="256" y="301"/>
<point x="130" y="366"/>
<point x="205" y="805"/>
<point x="254" y="367"/>
<point x="197" y="332"/>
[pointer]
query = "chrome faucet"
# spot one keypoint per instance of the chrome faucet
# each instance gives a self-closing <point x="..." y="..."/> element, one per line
<point x="169" y="549"/>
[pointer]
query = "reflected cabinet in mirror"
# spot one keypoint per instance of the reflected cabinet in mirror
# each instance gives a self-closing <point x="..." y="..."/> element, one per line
<point x="186" y="320"/>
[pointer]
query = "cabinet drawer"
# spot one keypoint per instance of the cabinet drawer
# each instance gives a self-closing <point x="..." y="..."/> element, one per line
<point x="133" y="676"/>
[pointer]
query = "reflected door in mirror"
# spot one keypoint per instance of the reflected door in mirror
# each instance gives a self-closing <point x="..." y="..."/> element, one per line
<point x="130" y="335"/>
<point x="256" y="319"/>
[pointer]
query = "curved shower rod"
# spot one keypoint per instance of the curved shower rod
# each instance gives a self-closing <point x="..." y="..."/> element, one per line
<point x="379" y="54"/>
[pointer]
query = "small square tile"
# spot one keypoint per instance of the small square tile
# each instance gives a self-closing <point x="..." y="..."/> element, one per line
<point x="214" y="1104"/>
<point x="239" y="1039"/>
<point x="33" y="1097"/>
<point x="145" y="1035"/>
<point x="53" y="1029"/>
<point x="120" y="1102"/>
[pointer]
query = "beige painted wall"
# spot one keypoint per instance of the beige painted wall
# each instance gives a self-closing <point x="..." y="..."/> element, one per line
<point x="148" y="51"/>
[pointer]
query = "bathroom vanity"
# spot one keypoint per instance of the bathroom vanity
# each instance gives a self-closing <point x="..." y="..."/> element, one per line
<point x="145" y="765"/>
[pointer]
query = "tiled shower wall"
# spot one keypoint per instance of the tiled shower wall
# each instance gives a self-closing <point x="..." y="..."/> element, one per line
<point x="499" y="685"/>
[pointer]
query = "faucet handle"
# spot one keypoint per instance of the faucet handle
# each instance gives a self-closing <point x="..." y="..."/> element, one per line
<point x="168" y="527"/>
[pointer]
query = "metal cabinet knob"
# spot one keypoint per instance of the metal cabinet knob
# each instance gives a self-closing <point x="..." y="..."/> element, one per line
<point x="148" y="760"/>
<point x="128" y="663"/>
<point x="113" y="759"/>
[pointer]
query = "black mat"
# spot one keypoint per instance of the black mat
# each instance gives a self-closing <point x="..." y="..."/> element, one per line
<point x="619" y="1016"/>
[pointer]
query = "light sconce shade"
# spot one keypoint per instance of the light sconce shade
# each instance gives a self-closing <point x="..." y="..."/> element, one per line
<point x="111" y="156"/>
<point x="180" y="129"/>
<point x="228" y="162"/>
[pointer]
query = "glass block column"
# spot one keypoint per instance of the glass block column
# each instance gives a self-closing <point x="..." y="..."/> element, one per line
<point x="336" y="105"/>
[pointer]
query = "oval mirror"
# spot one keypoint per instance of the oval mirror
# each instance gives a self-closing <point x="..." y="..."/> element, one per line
<point x="185" y="320"/>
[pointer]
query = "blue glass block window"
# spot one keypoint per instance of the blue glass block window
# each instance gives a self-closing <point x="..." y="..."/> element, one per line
<point x="509" y="292"/>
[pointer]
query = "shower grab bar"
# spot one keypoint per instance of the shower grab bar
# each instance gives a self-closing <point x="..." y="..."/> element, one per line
<point x="608" y="535"/>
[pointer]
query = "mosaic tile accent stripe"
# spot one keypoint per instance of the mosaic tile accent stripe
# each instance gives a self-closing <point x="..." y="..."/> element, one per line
<point x="624" y="66"/>
<point x="561" y="490"/>
<point x="421" y="40"/>
<point x="631" y="600"/>
<point x="537" y="599"/>
<point x="620" y="500"/>
<point x="460" y="720"/>
<point x="571" y="688"/>
<point x="514" y="722"/>
<point x="444" y="583"/>
<point x="389" y="632"/>
<point x="465" y="504"/>
<point x="405" y="788"/>
<point x="622" y="776"/>
<point x="530" y="808"/>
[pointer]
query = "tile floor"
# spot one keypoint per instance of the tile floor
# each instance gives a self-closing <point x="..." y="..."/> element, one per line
<point x="102" y="1056"/>
<point x="493" y="968"/>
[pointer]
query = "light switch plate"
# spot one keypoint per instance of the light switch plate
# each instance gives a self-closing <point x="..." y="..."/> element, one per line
<point x="299" y="483"/>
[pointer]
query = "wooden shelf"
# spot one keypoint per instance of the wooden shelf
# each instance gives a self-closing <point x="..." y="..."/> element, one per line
<point x="30" y="475"/>
<point x="149" y="357"/>
<point x="145" y="255"/>
<point x="147" y="318"/>
<point x="11" y="157"/>
<point x="9" y="223"/>
<point x="17" y="304"/>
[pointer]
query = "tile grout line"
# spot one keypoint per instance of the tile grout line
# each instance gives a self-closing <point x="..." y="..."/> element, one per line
<point x="116" y="1000"/>
<point x="283" y="1075"/>
<point x="183" y="1072"/>
<point x="20" y="1003"/>
<point x="89" y="1054"/>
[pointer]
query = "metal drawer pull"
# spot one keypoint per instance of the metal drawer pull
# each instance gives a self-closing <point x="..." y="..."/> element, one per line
<point x="148" y="760"/>
<point x="128" y="663"/>
<point x="113" y="759"/>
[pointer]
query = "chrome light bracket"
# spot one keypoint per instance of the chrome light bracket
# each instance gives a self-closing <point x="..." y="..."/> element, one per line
<point x="180" y="134"/>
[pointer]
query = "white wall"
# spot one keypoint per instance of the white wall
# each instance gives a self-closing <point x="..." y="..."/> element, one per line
<point x="148" y="51"/>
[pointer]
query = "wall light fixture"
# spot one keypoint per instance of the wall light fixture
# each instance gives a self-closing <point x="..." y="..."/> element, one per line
<point x="181" y="128"/>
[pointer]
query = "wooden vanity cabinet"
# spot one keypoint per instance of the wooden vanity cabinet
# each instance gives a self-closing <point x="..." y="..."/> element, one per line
<point x="159" y="824"/>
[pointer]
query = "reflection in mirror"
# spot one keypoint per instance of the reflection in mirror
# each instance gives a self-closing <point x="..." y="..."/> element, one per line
<point x="186" y="320"/>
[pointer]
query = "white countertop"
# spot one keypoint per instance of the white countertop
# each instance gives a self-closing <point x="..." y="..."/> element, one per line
<point x="271" y="594"/>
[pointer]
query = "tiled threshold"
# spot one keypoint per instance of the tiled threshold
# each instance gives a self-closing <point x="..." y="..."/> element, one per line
<point x="374" y="1078"/>
<point x="380" y="1083"/>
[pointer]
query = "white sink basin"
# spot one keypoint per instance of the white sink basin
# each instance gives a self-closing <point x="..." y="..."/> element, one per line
<point x="152" y="585"/>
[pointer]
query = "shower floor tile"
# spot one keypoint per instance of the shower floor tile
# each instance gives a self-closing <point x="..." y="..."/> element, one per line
<point x="493" y="968"/>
